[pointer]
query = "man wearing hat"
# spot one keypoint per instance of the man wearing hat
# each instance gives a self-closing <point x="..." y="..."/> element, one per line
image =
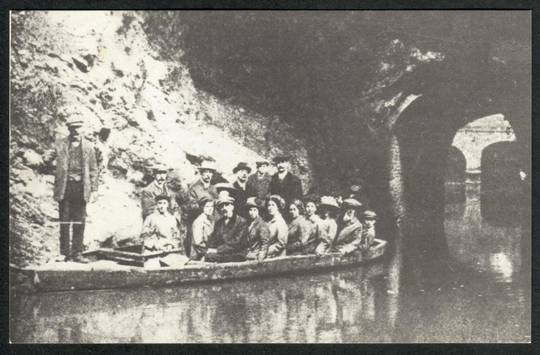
<point x="368" y="234"/>
<point x="156" y="188"/>
<point x="228" y="242"/>
<point x="241" y="171"/>
<point x="349" y="237"/>
<point x="284" y="183"/>
<point x="258" y="234"/>
<point x="258" y="183"/>
<point x="160" y="229"/>
<point x="202" y="188"/>
<point x="75" y="184"/>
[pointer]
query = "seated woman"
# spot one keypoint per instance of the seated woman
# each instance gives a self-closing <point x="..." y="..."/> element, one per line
<point x="202" y="228"/>
<point x="277" y="241"/>
<point x="228" y="241"/>
<point x="299" y="230"/>
<point x="315" y="224"/>
<point x="160" y="229"/>
<point x="349" y="237"/>
<point x="258" y="232"/>
<point x="328" y="208"/>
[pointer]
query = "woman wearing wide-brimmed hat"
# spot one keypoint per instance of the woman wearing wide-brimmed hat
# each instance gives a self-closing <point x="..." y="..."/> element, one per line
<point x="328" y="209"/>
<point x="278" y="227"/>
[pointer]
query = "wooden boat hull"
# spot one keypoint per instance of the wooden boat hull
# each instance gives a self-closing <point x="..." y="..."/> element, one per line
<point x="98" y="276"/>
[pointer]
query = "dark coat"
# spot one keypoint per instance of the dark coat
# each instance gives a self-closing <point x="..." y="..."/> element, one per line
<point x="229" y="238"/>
<point x="195" y="193"/>
<point x="349" y="238"/>
<point x="290" y="188"/>
<point x="89" y="168"/>
<point x="240" y="197"/>
<point x="258" y="187"/>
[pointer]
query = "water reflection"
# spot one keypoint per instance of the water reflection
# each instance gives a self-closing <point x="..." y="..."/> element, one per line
<point x="479" y="242"/>
<point x="377" y="303"/>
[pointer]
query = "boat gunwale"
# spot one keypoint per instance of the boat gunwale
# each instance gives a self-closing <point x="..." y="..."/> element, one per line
<point x="334" y="261"/>
<point x="213" y="266"/>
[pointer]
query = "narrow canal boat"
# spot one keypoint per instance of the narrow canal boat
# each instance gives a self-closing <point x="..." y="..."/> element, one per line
<point x="113" y="269"/>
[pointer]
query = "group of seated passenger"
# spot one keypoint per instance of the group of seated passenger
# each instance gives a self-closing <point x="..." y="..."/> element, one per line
<point x="315" y="226"/>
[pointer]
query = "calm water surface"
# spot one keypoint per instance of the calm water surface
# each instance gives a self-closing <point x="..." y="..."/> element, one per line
<point x="487" y="299"/>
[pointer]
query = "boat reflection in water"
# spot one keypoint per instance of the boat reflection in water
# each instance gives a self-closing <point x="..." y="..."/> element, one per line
<point x="381" y="302"/>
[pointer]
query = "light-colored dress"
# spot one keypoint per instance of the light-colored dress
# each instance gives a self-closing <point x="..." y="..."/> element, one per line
<point x="328" y="234"/>
<point x="202" y="228"/>
<point x="160" y="231"/>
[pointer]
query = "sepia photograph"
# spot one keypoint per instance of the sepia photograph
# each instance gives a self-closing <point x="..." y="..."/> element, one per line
<point x="244" y="176"/>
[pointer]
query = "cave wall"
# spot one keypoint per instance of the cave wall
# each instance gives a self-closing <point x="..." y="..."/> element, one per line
<point x="64" y="63"/>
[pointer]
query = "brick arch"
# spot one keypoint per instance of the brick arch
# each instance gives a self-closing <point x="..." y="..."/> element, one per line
<point x="475" y="136"/>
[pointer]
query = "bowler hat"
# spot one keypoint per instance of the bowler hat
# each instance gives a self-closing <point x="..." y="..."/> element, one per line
<point x="207" y="165"/>
<point x="224" y="200"/>
<point x="281" y="159"/>
<point x="329" y="201"/>
<point x="253" y="202"/>
<point x="241" y="166"/>
<point x="162" y="197"/>
<point x="262" y="162"/>
<point x="351" y="203"/>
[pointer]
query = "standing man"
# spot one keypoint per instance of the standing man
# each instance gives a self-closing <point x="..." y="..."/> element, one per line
<point x="156" y="188"/>
<point x="201" y="189"/>
<point x="241" y="170"/>
<point x="74" y="186"/>
<point x="258" y="183"/>
<point x="284" y="183"/>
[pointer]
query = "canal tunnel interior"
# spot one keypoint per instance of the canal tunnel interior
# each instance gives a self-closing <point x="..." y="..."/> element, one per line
<point x="434" y="175"/>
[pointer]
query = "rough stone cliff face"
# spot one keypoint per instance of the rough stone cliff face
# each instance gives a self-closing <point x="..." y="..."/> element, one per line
<point x="102" y="67"/>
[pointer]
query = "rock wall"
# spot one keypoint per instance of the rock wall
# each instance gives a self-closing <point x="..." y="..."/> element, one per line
<point x="104" y="69"/>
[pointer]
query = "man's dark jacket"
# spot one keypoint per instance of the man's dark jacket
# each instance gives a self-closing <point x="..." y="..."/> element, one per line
<point x="289" y="188"/>
<point x="230" y="238"/>
<point x="89" y="168"/>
